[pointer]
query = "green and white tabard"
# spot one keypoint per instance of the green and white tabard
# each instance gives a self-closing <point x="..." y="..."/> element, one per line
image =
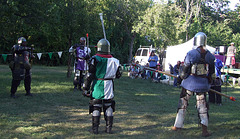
<point x="106" y="68"/>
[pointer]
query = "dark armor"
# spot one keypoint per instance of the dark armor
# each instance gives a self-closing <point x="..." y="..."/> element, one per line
<point x="185" y="71"/>
<point x="20" y="62"/>
<point x="20" y="67"/>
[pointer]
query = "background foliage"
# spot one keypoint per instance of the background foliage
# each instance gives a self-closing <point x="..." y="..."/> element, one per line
<point x="56" y="25"/>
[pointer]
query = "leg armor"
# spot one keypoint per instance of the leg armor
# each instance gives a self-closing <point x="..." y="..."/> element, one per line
<point x="182" y="106"/>
<point x="108" y="108"/>
<point x="202" y="108"/>
<point x="82" y="74"/>
<point x="76" y="78"/>
<point x="95" y="124"/>
<point x="96" y="105"/>
<point x="15" y="84"/>
<point x="27" y="81"/>
<point x="109" y="123"/>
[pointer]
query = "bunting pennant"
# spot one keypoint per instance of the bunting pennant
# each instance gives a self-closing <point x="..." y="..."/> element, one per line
<point x="4" y="57"/>
<point x="60" y="54"/>
<point x="50" y="55"/>
<point x="39" y="55"/>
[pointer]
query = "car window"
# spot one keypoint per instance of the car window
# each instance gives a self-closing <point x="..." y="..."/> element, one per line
<point x="138" y="52"/>
<point x="144" y="53"/>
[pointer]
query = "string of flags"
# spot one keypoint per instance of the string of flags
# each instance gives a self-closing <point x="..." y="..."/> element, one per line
<point x="39" y="55"/>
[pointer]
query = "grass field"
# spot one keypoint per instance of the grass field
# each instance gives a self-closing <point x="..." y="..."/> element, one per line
<point x="143" y="110"/>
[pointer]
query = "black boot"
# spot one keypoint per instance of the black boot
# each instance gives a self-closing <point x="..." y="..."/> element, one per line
<point x="13" y="95"/>
<point x="75" y="88"/>
<point x="80" y="88"/>
<point x="95" y="124"/>
<point x="28" y="93"/>
<point x="205" y="132"/>
<point x="109" y="123"/>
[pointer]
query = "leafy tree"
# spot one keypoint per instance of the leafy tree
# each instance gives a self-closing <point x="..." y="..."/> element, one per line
<point x="199" y="12"/>
<point x="121" y="16"/>
<point x="163" y="24"/>
<point x="191" y="9"/>
<point x="236" y="40"/>
<point x="19" y="18"/>
<point x="218" y="34"/>
<point x="233" y="19"/>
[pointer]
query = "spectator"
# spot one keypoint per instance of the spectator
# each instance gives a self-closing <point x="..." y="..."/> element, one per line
<point x="134" y="70"/>
<point x="170" y="68"/>
<point x="157" y="75"/>
<point x="153" y="59"/>
<point x="176" y="69"/>
<point x="230" y="61"/>
<point x="216" y="84"/>
<point x="146" y="73"/>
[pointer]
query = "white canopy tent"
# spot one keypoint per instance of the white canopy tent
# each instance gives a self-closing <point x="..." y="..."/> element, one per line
<point x="178" y="53"/>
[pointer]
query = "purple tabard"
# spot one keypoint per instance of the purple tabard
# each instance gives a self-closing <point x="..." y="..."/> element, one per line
<point x="80" y="61"/>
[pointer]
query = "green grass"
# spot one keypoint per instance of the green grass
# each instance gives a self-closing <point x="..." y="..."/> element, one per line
<point x="143" y="110"/>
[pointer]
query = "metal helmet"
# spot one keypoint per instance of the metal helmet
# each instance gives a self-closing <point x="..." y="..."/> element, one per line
<point x="103" y="46"/>
<point x="21" y="40"/>
<point x="200" y="39"/>
<point x="82" y="41"/>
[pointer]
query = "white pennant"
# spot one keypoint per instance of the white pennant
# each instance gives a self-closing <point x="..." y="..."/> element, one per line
<point x="39" y="55"/>
<point x="60" y="54"/>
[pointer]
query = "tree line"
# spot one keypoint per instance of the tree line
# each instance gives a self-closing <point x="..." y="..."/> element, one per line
<point x="56" y="25"/>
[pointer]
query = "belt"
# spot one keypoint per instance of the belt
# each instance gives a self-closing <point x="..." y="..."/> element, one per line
<point x="100" y="101"/>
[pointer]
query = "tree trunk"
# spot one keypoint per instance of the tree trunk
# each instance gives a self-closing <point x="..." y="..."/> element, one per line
<point x="131" y="47"/>
<point x="132" y="38"/>
<point x="70" y="57"/>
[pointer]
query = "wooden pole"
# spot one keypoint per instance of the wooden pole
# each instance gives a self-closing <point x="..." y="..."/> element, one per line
<point x="230" y="97"/>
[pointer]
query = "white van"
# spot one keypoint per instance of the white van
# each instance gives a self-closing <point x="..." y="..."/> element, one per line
<point x="143" y="54"/>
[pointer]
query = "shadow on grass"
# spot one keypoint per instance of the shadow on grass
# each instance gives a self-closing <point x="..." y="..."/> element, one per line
<point x="143" y="110"/>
